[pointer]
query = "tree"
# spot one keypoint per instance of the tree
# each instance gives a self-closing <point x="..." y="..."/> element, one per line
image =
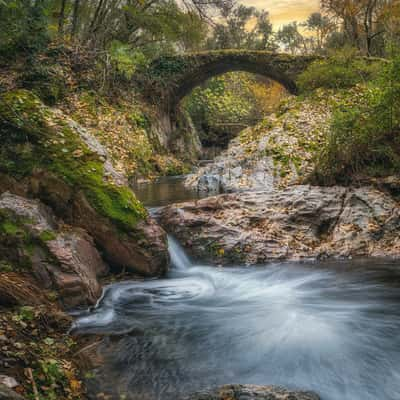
<point x="23" y="26"/>
<point x="234" y="33"/>
<point x="321" y="26"/>
<point x="361" y="20"/>
<point x="61" y="17"/>
<point x="264" y="32"/>
<point x="75" y="13"/>
<point x="290" y="37"/>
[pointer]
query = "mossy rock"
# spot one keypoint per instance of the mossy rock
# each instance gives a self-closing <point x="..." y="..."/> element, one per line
<point x="16" y="243"/>
<point x="35" y="138"/>
<point x="48" y="83"/>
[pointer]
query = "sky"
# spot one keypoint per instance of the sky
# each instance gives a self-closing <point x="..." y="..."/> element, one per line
<point x="285" y="11"/>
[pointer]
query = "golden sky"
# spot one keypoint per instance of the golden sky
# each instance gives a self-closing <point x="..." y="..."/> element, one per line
<point x="285" y="11"/>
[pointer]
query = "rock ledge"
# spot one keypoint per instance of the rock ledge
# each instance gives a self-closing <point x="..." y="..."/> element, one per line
<point x="252" y="392"/>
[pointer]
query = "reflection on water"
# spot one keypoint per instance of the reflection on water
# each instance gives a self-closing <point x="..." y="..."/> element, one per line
<point x="332" y="328"/>
<point x="164" y="191"/>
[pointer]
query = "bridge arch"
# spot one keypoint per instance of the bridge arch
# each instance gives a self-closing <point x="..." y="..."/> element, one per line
<point x="174" y="77"/>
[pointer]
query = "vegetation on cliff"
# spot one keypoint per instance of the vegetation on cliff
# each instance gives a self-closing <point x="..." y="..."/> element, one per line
<point x="342" y="128"/>
<point x="363" y="136"/>
<point x="36" y="138"/>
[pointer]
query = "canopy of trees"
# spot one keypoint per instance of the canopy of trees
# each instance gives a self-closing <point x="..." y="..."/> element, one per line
<point x="130" y="29"/>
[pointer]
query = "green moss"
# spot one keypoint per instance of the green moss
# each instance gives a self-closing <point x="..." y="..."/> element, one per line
<point x="47" y="236"/>
<point x="6" y="266"/>
<point x="15" y="240"/>
<point x="114" y="202"/>
<point x="57" y="147"/>
<point x="21" y="110"/>
<point x="10" y="228"/>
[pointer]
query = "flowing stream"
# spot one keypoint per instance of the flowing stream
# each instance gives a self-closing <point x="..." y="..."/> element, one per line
<point x="329" y="327"/>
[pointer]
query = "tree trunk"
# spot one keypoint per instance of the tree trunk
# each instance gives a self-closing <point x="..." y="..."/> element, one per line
<point x="61" y="18"/>
<point x="96" y="15"/>
<point x="75" y="16"/>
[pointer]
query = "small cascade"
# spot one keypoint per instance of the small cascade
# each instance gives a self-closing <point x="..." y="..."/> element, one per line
<point x="179" y="259"/>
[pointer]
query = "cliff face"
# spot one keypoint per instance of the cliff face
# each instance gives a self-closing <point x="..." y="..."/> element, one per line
<point x="68" y="221"/>
<point x="46" y="155"/>
<point x="278" y="151"/>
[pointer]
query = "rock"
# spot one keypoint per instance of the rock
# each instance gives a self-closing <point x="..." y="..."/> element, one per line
<point x="38" y="218"/>
<point x="252" y="392"/>
<point x="277" y="152"/>
<point x="8" y="381"/>
<point x="142" y="250"/>
<point x="297" y="223"/>
<point x="69" y="171"/>
<point x="79" y="267"/>
<point x="96" y="147"/>
<point x="391" y="184"/>
<point x="63" y="258"/>
<point x="8" y="394"/>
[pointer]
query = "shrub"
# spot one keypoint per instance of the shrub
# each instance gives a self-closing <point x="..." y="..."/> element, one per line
<point x="126" y="60"/>
<point x="23" y="27"/>
<point x="341" y="70"/>
<point x="365" y="137"/>
<point x="47" y="82"/>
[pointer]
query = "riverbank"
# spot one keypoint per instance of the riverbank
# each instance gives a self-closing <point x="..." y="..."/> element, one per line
<point x="297" y="223"/>
<point x="38" y="356"/>
<point x="68" y="220"/>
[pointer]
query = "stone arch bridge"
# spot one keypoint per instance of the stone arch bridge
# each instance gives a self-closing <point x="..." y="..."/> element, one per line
<point x="171" y="78"/>
<point x="168" y="79"/>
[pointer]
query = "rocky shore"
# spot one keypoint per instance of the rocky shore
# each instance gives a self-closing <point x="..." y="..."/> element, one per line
<point x="252" y="392"/>
<point x="297" y="223"/>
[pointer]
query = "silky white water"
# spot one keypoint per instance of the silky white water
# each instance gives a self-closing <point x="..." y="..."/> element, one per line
<point x="333" y="328"/>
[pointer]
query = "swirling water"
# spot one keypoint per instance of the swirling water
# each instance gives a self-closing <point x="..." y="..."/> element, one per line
<point x="333" y="328"/>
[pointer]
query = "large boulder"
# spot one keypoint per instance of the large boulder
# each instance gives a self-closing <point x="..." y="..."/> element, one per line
<point x="297" y="223"/>
<point x="48" y="156"/>
<point x="58" y="256"/>
<point x="252" y="392"/>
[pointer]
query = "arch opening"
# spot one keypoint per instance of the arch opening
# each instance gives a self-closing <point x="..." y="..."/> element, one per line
<point x="203" y="73"/>
<point x="225" y="104"/>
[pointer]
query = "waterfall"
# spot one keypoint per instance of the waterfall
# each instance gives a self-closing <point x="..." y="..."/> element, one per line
<point x="179" y="259"/>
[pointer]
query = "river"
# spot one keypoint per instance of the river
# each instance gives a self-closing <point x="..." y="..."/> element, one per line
<point x="328" y="327"/>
